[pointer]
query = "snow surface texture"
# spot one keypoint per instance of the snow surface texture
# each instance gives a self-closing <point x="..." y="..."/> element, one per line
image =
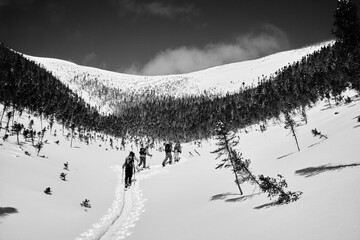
<point x="223" y="79"/>
<point x="191" y="200"/>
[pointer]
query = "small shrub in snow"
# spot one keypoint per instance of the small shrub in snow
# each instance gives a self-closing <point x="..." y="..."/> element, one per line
<point x="48" y="191"/>
<point x="66" y="166"/>
<point x="86" y="203"/>
<point x="5" y="137"/>
<point x="39" y="146"/>
<point x="348" y="100"/>
<point x="63" y="176"/>
<point x="317" y="133"/>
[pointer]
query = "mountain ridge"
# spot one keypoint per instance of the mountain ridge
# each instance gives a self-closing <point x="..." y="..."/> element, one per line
<point x="219" y="80"/>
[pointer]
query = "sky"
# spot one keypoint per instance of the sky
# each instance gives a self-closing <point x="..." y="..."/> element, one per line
<point x="159" y="37"/>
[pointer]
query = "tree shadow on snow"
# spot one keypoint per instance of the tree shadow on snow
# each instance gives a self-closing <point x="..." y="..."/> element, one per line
<point x="4" y="211"/>
<point x="229" y="197"/>
<point x="286" y="155"/>
<point x="267" y="205"/>
<point x="313" y="144"/>
<point x="312" y="171"/>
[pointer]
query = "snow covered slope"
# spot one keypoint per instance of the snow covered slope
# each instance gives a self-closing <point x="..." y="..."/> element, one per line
<point x="216" y="80"/>
<point x="190" y="200"/>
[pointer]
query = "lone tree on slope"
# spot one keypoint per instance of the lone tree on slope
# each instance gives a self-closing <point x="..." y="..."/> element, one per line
<point x="240" y="166"/>
<point x="231" y="158"/>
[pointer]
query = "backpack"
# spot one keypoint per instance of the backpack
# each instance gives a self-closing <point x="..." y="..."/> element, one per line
<point x="177" y="148"/>
<point x="130" y="163"/>
<point x="167" y="147"/>
<point x="142" y="151"/>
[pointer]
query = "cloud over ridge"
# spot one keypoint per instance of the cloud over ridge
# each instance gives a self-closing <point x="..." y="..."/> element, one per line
<point x="269" y="39"/>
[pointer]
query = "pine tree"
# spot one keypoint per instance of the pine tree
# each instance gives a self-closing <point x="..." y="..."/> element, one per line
<point x="346" y="25"/>
<point x="290" y="123"/>
<point x="17" y="127"/>
<point x="231" y="158"/>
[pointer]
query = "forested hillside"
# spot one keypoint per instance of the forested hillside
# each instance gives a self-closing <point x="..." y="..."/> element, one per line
<point x="326" y="73"/>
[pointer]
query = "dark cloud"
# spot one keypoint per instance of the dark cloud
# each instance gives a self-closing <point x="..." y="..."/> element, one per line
<point x="155" y="8"/>
<point x="17" y="3"/>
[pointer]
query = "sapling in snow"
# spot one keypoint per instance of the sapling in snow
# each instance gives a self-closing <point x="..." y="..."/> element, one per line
<point x="72" y="133"/>
<point x="66" y="166"/>
<point x="17" y="127"/>
<point x="317" y="133"/>
<point x="9" y="115"/>
<point x="39" y="146"/>
<point x="290" y="123"/>
<point x="63" y="176"/>
<point x="86" y="203"/>
<point x="5" y="137"/>
<point x="48" y="191"/>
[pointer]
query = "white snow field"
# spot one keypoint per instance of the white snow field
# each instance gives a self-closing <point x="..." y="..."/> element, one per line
<point x="190" y="199"/>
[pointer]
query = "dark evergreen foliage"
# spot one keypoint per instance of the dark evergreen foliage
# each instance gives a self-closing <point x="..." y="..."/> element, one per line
<point x="275" y="188"/>
<point x="324" y="74"/>
<point x="230" y="158"/>
<point x="316" y="133"/>
<point x="346" y="25"/>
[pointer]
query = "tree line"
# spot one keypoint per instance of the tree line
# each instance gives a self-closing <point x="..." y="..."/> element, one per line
<point x="326" y="73"/>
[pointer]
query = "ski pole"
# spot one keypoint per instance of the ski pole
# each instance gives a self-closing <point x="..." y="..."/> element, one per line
<point x="134" y="174"/>
<point x="122" y="176"/>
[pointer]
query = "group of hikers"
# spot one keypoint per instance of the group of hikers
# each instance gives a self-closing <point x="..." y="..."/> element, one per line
<point x="130" y="166"/>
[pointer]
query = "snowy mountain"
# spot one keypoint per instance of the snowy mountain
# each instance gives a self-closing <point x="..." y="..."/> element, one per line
<point x="191" y="199"/>
<point x="89" y="82"/>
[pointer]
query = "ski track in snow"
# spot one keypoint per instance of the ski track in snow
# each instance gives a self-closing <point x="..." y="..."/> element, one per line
<point x="126" y="209"/>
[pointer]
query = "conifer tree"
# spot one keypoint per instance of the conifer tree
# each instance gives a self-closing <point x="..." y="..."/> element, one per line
<point x="346" y="25"/>
<point x="290" y="123"/>
<point x="231" y="158"/>
<point x="17" y="127"/>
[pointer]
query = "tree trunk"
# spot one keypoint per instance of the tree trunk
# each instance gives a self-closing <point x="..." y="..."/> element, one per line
<point x="72" y="136"/>
<point x="233" y="165"/>
<point x="2" y="115"/>
<point x="294" y="134"/>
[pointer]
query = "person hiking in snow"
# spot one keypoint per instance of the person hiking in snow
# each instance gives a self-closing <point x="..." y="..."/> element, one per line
<point x="143" y="152"/>
<point x="177" y="151"/>
<point x="168" y="150"/>
<point x="129" y="167"/>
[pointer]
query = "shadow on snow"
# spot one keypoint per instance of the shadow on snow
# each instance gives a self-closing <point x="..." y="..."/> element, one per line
<point x="286" y="155"/>
<point x="229" y="197"/>
<point x="4" y="211"/>
<point x="312" y="171"/>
